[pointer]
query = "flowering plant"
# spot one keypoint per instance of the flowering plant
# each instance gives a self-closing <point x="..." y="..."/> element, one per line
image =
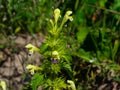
<point x="56" y="57"/>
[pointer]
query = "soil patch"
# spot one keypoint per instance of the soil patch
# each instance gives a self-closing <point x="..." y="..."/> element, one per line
<point x="14" y="58"/>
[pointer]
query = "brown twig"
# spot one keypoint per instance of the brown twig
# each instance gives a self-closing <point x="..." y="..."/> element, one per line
<point x="105" y="9"/>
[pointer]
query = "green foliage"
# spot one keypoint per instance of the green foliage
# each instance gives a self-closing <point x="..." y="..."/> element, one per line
<point x="82" y="34"/>
<point x="102" y="40"/>
<point x="55" y="84"/>
<point x="36" y="81"/>
<point x="56" y="57"/>
<point x="76" y="50"/>
<point x="27" y="15"/>
<point x="94" y="39"/>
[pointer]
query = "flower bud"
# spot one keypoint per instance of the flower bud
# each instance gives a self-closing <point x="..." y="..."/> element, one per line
<point x="56" y="14"/>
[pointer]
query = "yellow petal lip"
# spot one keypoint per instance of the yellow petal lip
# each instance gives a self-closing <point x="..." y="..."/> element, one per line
<point x="68" y="13"/>
<point x="32" y="68"/>
<point x="32" y="48"/>
<point x="55" y="53"/>
<point x="29" y="46"/>
<point x="29" y="66"/>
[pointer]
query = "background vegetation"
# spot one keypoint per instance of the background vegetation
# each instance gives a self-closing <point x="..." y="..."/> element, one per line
<point x="92" y="37"/>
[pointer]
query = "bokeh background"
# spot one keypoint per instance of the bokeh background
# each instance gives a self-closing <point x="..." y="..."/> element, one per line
<point x="93" y="37"/>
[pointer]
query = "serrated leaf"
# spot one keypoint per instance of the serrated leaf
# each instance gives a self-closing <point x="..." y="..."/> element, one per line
<point x="37" y="80"/>
<point x="68" y="69"/>
<point x="43" y="47"/>
<point x="67" y="58"/>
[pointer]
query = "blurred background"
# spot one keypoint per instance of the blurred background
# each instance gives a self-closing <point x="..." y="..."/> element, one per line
<point x="93" y="37"/>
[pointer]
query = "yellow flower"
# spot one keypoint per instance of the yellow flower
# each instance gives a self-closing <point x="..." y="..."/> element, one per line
<point x="32" y="68"/>
<point x="3" y="85"/>
<point x="67" y="16"/>
<point x="55" y="53"/>
<point x="68" y="13"/>
<point x="71" y="84"/>
<point x="56" y="14"/>
<point x="32" y="48"/>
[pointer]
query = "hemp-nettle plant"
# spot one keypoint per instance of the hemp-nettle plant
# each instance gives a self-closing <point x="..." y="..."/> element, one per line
<point x="55" y="70"/>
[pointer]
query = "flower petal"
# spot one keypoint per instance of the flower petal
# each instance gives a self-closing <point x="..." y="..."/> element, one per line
<point x="3" y="85"/>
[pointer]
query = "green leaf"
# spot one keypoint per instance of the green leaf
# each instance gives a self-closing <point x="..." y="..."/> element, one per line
<point x="68" y="69"/>
<point x="82" y="33"/>
<point x="43" y="47"/>
<point x="115" y="49"/>
<point x="87" y="56"/>
<point x="67" y="58"/>
<point x="55" y="84"/>
<point x="17" y="30"/>
<point x="80" y="18"/>
<point x="55" y="68"/>
<point x="102" y="3"/>
<point x="37" y="80"/>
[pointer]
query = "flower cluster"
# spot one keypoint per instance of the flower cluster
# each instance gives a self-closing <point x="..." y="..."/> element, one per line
<point x="55" y="57"/>
<point x="32" y="49"/>
<point x="55" y="54"/>
<point x="32" y="68"/>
